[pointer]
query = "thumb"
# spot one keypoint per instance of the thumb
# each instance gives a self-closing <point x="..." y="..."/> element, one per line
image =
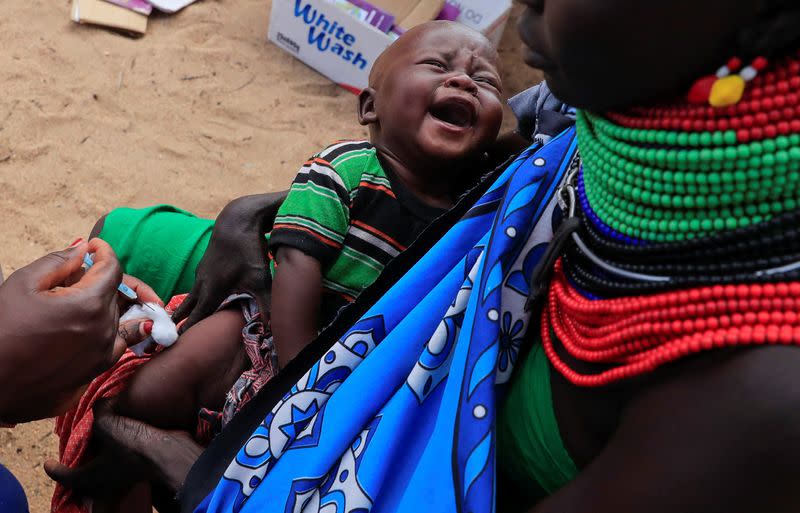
<point x="130" y="333"/>
<point x="133" y="331"/>
<point x="60" y="473"/>
<point x="187" y="305"/>
<point x="54" y="269"/>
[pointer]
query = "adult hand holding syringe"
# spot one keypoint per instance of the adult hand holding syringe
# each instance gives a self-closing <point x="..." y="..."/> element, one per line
<point x="58" y="332"/>
<point x="125" y="290"/>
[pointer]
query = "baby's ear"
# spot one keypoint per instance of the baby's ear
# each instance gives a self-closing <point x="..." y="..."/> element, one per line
<point x="366" y="107"/>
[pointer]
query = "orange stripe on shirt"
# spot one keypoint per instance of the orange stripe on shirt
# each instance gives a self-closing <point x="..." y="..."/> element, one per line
<point x="381" y="188"/>
<point x="347" y="297"/>
<point x="322" y="238"/>
<point x="379" y="234"/>
<point x="318" y="160"/>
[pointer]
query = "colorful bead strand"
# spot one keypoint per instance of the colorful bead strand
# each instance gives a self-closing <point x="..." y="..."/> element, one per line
<point x="678" y="172"/>
<point x="636" y="335"/>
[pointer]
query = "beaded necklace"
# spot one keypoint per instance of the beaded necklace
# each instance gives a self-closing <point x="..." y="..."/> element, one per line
<point x="699" y="209"/>
<point x="636" y="335"/>
<point x="767" y="252"/>
<point x="677" y="172"/>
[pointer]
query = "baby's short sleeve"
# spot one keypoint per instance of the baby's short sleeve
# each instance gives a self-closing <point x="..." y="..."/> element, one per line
<point x="315" y="215"/>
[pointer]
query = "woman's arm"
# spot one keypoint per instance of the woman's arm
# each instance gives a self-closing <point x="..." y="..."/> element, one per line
<point x="236" y="258"/>
<point x="720" y="433"/>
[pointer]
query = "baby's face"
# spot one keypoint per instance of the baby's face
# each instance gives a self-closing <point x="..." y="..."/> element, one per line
<point x="438" y="93"/>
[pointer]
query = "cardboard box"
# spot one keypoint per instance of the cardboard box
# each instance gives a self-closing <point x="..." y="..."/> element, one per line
<point x="410" y="13"/>
<point x="344" y="48"/>
<point x="98" y="12"/>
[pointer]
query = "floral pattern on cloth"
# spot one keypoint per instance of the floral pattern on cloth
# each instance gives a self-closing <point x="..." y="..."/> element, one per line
<point x="398" y="415"/>
<point x="260" y="350"/>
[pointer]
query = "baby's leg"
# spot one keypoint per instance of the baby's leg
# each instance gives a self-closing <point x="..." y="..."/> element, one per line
<point x="195" y="373"/>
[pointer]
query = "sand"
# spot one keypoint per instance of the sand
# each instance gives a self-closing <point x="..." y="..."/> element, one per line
<point x="200" y="110"/>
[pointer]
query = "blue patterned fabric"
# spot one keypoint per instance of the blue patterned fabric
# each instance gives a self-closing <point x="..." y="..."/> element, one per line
<point x="398" y="416"/>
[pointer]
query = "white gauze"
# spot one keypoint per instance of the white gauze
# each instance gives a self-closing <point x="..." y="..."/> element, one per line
<point x="164" y="331"/>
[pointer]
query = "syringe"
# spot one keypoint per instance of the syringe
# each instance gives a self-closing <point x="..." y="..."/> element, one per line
<point x="123" y="289"/>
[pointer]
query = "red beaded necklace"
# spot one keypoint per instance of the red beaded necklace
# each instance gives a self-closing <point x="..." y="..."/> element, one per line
<point x="636" y="335"/>
<point x="770" y="108"/>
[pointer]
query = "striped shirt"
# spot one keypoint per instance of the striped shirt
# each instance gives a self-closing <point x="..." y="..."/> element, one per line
<point x="351" y="214"/>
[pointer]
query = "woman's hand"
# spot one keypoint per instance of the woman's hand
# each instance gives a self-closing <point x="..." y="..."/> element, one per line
<point x="236" y="258"/>
<point x="132" y="331"/>
<point x="131" y="451"/>
<point x="59" y="329"/>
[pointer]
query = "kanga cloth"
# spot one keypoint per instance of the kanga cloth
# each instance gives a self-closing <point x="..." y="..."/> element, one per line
<point x="74" y="428"/>
<point x="399" y="414"/>
<point x="12" y="496"/>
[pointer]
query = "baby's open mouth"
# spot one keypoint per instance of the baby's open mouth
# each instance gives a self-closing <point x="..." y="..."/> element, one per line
<point x="454" y="111"/>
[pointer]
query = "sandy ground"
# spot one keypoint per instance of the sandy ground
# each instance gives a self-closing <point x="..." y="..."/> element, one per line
<point x="200" y="110"/>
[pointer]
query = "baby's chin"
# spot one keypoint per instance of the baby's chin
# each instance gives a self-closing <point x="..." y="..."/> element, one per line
<point x="451" y="151"/>
<point x="450" y="147"/>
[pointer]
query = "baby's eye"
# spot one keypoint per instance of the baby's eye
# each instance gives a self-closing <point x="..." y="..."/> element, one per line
<point x="487" y="80"/>
<point x="435" y="63"/>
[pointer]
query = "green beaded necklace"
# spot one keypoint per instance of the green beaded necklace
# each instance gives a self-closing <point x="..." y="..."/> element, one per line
<point x="668" y="185"/>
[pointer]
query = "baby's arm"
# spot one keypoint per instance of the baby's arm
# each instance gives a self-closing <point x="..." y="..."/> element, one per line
<point x="296" y="299"/>
<point x="307" y="237"/>
<point x="195" y="373"/>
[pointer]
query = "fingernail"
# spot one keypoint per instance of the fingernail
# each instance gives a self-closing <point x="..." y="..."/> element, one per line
<point x="77" y="241"/>
<point x="147" y="327"/>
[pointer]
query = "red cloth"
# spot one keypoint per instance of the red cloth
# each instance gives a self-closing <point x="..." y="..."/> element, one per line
<point x="74" y="428"/>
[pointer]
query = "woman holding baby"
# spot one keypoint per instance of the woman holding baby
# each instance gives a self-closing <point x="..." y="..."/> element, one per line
<point x="621" y="269"/>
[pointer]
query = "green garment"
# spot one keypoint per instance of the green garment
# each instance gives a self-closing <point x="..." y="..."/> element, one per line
<point x="349" y="213"/>
<point x="160" y="245"/>
<point x="529" y="444"/>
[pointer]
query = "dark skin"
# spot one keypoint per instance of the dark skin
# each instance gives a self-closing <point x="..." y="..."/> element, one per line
<point x="714" y="433"/>
<point x="239" y="229"/>
<point x="719" y="432"/>
<point x="294" y="318"/>
<point x="697" y="418"/>
<point x="606" y="55"/>
<point x="51" y="307"/>
<point x="433" y="107"/>
<point x="434" y="110"/>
